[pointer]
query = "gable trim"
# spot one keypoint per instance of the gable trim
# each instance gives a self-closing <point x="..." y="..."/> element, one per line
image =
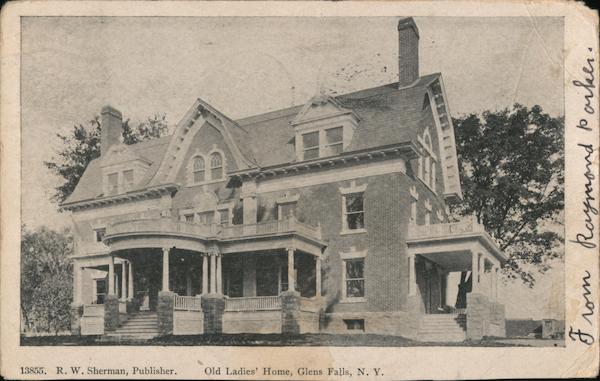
<point x="199" y="114"/>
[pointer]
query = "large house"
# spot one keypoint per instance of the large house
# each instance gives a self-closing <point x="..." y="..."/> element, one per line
<point x="326" y="217"/>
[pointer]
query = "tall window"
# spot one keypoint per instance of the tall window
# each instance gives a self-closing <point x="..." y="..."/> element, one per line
<point x="113" y="183"/>
<point x="354" y="211"/>
<point x="310" y="142"/>
<point x="216" y="166"/>
<point x="427" y="161"/>
<point x="335" y="141"/>
<point x="206" y="218"/>
<point x="128" y="179"/>
<point x="99" y="234"/>
<point x="198" y="170"/>
<point x="224" y="216"/>
<point x="286" y="210"/>
<point x="355" y="278"/>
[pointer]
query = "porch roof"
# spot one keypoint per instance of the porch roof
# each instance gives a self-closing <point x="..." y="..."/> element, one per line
<point x="451" y="244"/>
<point x="164" y="232"/>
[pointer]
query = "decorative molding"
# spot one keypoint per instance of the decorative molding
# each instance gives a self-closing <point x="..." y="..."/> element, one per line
<point x="413" y="192"/>
<point x="353" y="254"/>
<point x="428" y="205"/>
<point x="287" y="199"/>
<point x="353" y="188"/>
<point x="151" y="192"/>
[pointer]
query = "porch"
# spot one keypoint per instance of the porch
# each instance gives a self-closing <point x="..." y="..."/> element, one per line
<point x="460" y="254"/>
<point x="196" y="268"/>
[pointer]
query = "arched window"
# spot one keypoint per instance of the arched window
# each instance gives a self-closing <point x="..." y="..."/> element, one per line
<point x="198" y="169"/>
<point x="216" y="166"/>
<point x="427" y="162"/>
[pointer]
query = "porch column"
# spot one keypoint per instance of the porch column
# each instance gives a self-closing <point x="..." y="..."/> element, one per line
<point x="130" y="280"/>
<point x="123" y="281"/>
<point x="318" y="276"/>
<point x="204" y="274"/>
<point x="481" y="272"/>
<point x="213" y="270"/>
<point x="165" y="268"/>
<point x="77" y="284"/>
<point x="188" y="284"/>
<point x="495" y="274"/>
<point x="111" y="275"/>
<point x="291" y="278"/>
<point x="219" y="276"/>
<point x="412" y="279"/>
<point x="475" y="272"/>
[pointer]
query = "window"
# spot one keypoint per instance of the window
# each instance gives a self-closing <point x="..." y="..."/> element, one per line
<point x="99" y="234"/>
<point x="433" y="175"/>
<point x="128" y="179"/>
<point x="414" y="197"/>
<point x="355" y="279"/>
<point x="354" y="210"/>
<point x="113" y="183"/>
<point x="188" y="217"/>
<point x="355" y="324"/>
<point x="335" y="141"/>
<point x="287" y="210"/>
<point x="224" y="216"/>
<point x="206" y="218"/>
<point x="198" y="170"/>
<point x="428" y="209"/>
<point x="216" y="166"/>
<point x="310" y="142"/>
<point x="427" y="161"/>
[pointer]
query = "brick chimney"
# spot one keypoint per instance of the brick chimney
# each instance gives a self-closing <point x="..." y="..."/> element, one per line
<point x="112" y="128"/>
<point x="408" y="52"/>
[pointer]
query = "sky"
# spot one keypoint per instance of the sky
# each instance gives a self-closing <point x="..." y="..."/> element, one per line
<point x="72" y="66"/>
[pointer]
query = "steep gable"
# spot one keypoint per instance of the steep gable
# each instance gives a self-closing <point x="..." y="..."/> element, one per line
<point x="199" y="115"/>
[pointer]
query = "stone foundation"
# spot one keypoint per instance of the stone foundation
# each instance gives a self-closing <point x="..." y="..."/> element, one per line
<point x="213" y="307"/>
<point x="290" y="313"/>
<point x="111" y="313"/>
<point x="484" y="318"/>
<point x="164" y="310"/>
<point x="76" y="314"/>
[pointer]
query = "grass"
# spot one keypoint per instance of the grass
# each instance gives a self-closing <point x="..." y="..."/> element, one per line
<point x="271" y="340"/>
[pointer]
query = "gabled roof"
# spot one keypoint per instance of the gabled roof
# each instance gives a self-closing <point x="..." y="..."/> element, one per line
<point x="90" y="184"/>
<point x="387" y="115"/>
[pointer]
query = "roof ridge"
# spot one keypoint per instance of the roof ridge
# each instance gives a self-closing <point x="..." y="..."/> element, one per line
<point x="288" y="110"/>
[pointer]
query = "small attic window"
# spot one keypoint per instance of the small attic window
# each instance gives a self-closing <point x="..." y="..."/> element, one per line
<point x="426" y="102"/>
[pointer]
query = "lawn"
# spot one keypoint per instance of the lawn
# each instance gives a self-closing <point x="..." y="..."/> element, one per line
<point x="251" y="340"/>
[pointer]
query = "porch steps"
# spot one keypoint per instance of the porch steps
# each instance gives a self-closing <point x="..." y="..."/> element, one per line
<point x="141" y="325"/>
<point x="443" y="328"/>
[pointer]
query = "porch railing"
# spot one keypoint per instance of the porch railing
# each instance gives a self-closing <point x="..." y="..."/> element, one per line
<point x="187" y="303"/>
<point x="166" y="226"/>
<point x="468" y="225"/>
<point x="160" y="225"/>
<point x="271" y="227"/>
<point x="253" y="303"/>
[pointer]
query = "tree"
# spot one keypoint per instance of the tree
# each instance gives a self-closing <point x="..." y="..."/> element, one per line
<point x="82" y="145"/>
<point x="512" y="174"/>
<point x="46" y="280"/>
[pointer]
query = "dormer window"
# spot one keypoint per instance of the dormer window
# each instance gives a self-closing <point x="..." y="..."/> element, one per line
<point x="199" y="171"/>
<point x="335" y="141"/>
<point x="128" y="180"/>
<point x="113" y="183"/>
<point x="216" y="166"/>
<point x="310" y="143"/>
<point x="323" y="128"/>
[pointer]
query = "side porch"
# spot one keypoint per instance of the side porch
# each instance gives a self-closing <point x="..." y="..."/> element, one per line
<point x="453" y="281"/>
